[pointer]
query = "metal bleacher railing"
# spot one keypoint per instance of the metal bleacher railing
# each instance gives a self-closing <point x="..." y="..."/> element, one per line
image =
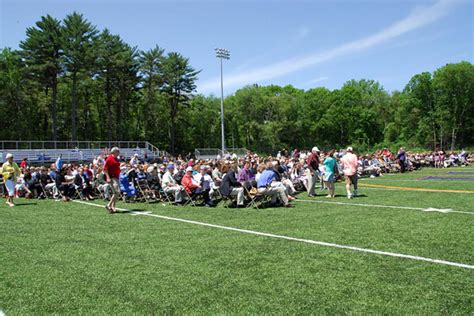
<point x="212" y="153"/>
<point x="48" y="151"/>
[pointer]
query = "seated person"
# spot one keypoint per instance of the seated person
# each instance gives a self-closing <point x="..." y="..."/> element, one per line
<point x="178" y="176"/>
<point x="83" y="184"/>
<point x="64" y="183"/>
<point x="246" y="176"/>
<point x="171" y="186"/>
<point x="268" y="185"/>
<point x="102" y="185"/>
<point x="46" y="182"/>
<point x="231" y="187"/>
<point x="289" y="187"/>
<point x="193" y="188"/>
<point x="126" y="186"/>
<point x="153" y="179"/>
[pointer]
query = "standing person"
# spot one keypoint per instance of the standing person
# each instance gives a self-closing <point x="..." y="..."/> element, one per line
<point x="312" y="172"/>
<point x="401" y="157"/>
<point x="349" y="164"/>
<point x="10" y="171"/>
<point x="112" y="173"/>
<point x="329" y="173"/>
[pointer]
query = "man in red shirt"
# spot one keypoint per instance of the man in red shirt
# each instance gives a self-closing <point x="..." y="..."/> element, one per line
<point x="193" y="188"/>
<point x="312" y="172"/>
<point x="112" y="173"/>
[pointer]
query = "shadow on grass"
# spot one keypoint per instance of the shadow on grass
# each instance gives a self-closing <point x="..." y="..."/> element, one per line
<point x="129" y="211"/>
<point x="25" y="204"/>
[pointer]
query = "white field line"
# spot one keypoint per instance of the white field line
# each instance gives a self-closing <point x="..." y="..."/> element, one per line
<point x="308" y="241"/>
<point x="429" y="209"/>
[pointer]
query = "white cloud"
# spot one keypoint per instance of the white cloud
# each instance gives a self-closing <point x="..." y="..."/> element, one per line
<point x="317" y="80"/>
<point x="419" y="17"/>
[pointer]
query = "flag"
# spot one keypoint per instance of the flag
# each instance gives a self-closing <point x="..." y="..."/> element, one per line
<point x="59" y="163"/>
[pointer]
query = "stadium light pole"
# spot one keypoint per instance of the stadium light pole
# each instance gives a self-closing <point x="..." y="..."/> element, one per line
<point x="222" y="53"/>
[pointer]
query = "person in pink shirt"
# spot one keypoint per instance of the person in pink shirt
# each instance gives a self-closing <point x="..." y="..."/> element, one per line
<point x="349" y="167"/>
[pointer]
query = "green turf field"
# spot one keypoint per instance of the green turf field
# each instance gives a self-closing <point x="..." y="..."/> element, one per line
<point x="63" y="258"/>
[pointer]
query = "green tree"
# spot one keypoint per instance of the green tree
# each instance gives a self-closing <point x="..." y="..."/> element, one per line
<point x="152" y="79"/>
<point x="179" y="82"/>
<point x="42" y="51"/>
<point x="13" y="97"/>
<point x="454" y="97"/>
<point x="78" y="38"/>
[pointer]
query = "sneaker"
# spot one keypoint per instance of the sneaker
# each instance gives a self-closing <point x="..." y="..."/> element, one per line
<point x="349" y="196"/>
<point x="355" y="193"/>
<point x="311" y="195"/>
<point x="329" y="196"/>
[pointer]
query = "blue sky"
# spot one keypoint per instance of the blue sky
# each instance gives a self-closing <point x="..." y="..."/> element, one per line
<point x="303" y="43"/>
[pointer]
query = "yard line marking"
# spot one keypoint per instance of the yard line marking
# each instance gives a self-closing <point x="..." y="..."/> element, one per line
<point x="308" y="241"/>
<point x="413" y="189"/>
<point x="429" y="209"/>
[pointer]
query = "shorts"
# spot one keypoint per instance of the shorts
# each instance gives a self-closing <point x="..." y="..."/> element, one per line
<point x="10" y="185"/>
<point x="114" y="185"/>
<point x="328" y="177"/>
<point x="351" y="179"/>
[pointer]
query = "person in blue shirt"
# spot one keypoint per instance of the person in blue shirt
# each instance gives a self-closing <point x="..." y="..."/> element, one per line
<point x="268" y="185"/>
<point x="329" y="173"/>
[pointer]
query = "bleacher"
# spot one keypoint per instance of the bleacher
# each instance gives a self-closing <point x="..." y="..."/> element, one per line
<point x="39" y="152"/>
<point x="212" y="153"/>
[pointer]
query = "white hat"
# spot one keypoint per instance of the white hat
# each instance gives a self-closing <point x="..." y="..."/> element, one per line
<point x="135" y="155"/>
<point x="315" y="149"/>
<point x="349" y="148"/>
<point x="8" y="156"/>
<point x="189" y="169"/>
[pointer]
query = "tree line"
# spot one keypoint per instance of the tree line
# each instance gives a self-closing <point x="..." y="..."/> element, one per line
<point x="71" y="81"/>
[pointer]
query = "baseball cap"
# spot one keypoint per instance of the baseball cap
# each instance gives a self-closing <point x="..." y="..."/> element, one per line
<point x="189" y="169"/>
<point x="170" y="166"/>
<point x="349" y="148"/>
<point x="8" y="156"/>
<point x="315" y="149"/>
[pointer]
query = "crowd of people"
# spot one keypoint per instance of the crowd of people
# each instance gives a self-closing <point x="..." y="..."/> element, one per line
<point x="187" y="180"/>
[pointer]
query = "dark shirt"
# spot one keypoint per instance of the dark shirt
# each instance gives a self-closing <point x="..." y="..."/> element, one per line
<point x="313" y="161"/>
<point x="228" y="182"/>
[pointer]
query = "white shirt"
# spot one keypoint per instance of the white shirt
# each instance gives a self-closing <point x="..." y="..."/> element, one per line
<point x="168" y="180"/>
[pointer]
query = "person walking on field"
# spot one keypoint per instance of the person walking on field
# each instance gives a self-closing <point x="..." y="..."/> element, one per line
<point x="329" y="173"/>
<point x="312" y="172"/>
<point x="349" y="166"/>
<point x="112" y="173"/>
<point x="401" y="157"/>
<point x="10" y="171"/>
